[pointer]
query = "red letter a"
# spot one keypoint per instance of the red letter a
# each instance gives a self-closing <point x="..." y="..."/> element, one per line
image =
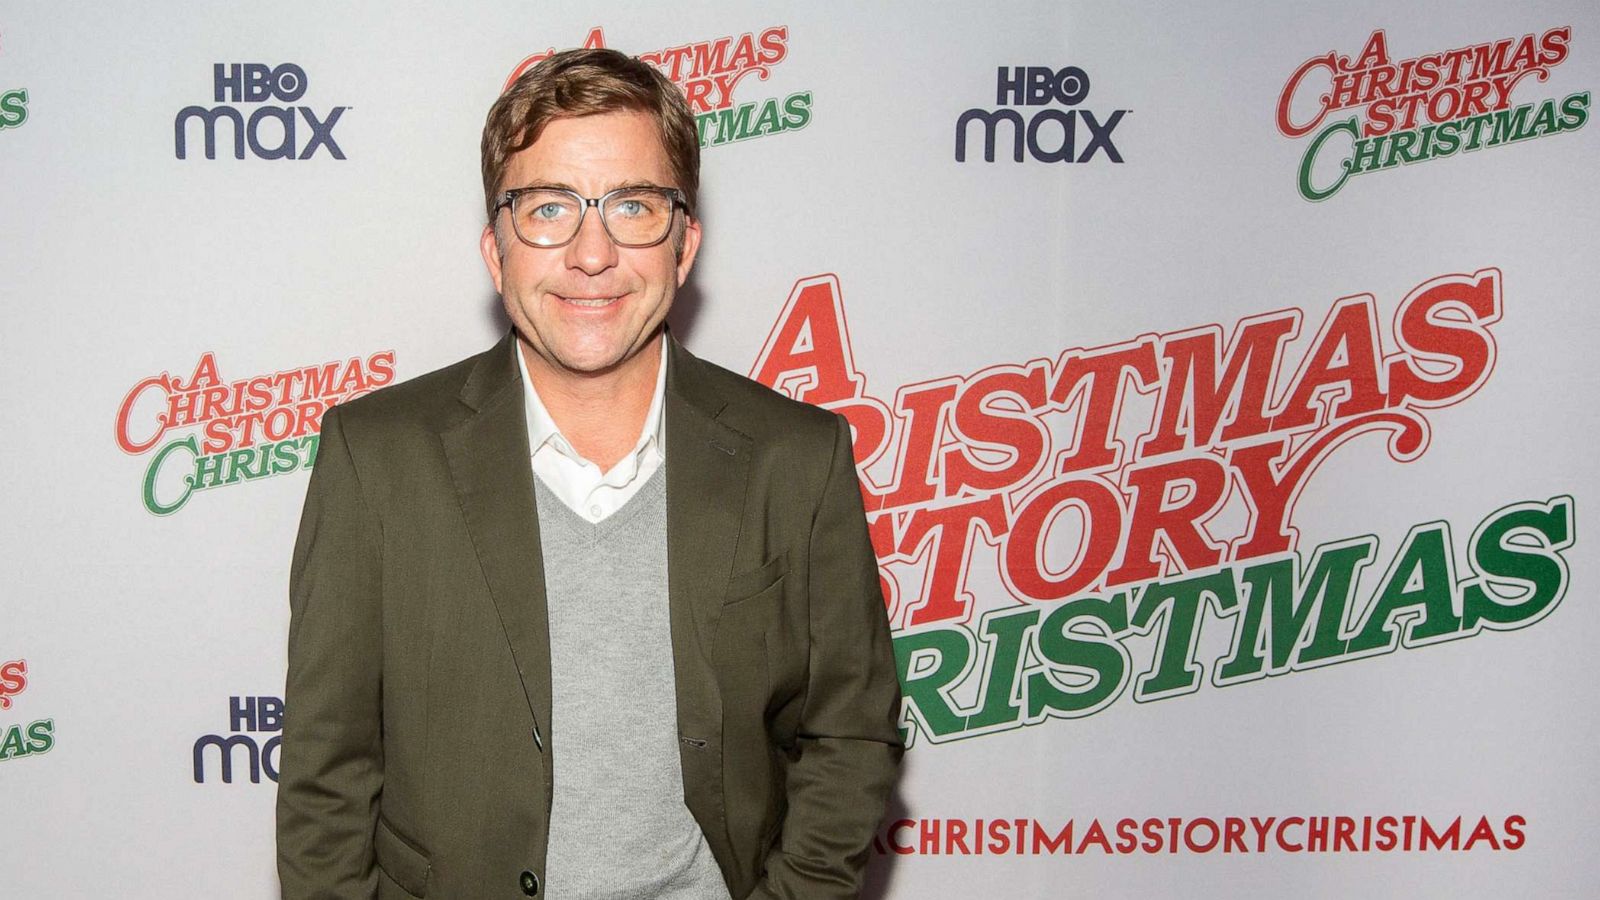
<point x="807" y="355"/>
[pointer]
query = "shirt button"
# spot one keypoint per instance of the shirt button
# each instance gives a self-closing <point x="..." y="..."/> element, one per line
<point x="594" y="511"/>
<point x="530" y="883"/>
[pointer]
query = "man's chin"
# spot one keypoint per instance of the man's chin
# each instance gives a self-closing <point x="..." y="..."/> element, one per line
<point x="596" y="363"/>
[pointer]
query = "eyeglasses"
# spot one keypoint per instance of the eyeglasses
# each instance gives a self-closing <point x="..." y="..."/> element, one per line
<point x="632" y="216"/>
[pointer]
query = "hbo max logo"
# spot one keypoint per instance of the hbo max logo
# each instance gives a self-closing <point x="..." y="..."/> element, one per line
<point x="270" y="131"/>
<point x="248" y="719"/>
<point x="1047" y="134"/>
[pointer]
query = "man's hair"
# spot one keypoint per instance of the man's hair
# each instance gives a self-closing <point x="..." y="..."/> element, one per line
<point x="576" y="83"/>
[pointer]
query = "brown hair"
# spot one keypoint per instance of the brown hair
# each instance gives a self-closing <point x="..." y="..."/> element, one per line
<point x="576" y="83"/>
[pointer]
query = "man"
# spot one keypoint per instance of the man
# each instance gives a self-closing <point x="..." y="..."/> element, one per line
<point x="584" y="616"/>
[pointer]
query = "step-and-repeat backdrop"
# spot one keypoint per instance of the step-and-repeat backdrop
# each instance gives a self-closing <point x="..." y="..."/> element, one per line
<point x="1222" y="375"/>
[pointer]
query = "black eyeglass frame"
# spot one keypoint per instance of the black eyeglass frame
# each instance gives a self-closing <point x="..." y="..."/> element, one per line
<point x="509" y="199"/>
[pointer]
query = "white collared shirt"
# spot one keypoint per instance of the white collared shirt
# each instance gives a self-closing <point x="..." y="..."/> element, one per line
<point x="577" y="482"/>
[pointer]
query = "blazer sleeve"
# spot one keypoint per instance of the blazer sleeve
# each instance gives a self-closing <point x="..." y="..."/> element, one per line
<point x="849" y="743"/>
<point x="331" y="762"/>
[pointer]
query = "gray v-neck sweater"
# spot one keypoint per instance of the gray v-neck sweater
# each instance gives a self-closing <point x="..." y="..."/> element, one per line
<point x="618" y="825"/>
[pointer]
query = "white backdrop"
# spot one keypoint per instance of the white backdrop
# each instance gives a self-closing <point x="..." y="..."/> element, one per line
<point x="134" y="632"/>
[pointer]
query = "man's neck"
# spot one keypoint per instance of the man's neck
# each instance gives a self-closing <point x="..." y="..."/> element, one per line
<point x="600" y="414"/>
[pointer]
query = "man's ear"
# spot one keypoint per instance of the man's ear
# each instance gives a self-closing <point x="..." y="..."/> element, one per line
<point x="489" y="246"/>
<point x="690" y="246"/>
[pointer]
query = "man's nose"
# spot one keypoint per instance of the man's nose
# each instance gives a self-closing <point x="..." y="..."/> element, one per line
<point x="592" y="250"/>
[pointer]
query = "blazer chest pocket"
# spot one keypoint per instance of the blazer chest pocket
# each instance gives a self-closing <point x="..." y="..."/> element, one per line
<point x="760" y="643"/>
<point x="401" y="861"/>
<point x="748" y="586"/>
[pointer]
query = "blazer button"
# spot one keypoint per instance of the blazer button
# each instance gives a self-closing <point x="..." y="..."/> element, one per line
<point x="530" y="883"/>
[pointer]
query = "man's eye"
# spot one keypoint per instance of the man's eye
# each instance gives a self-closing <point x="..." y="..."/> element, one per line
<point x="549" y="211"/>
<point x="632" y="208"/>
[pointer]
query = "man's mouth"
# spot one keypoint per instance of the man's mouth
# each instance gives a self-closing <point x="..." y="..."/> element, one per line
<point x="589" y="302"/>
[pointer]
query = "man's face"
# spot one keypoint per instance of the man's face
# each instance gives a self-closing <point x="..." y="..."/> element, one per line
<point x="589" y="306"/>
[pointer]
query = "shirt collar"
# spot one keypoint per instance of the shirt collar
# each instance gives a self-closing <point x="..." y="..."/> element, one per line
<point x="542" y="429"/>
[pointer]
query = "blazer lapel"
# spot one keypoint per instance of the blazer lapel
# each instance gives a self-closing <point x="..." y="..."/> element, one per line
<point x="490" y="465"/>
<point x="708" y="466"/>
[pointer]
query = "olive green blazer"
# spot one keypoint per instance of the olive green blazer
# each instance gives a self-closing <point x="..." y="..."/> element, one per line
<point x="418" y="749"/>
